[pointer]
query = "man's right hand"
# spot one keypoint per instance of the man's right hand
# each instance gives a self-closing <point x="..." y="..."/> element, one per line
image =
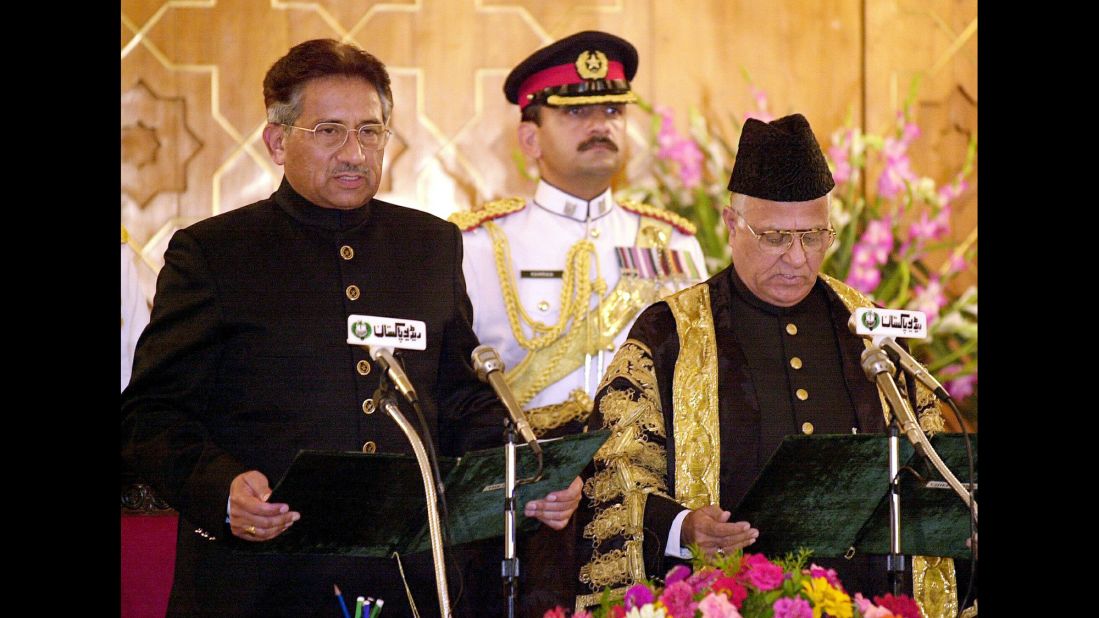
<point x="709" y="528"/>
<point x="250" y="516"/>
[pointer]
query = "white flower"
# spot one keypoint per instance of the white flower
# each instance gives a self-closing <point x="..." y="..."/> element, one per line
<point x="646" y="611"/>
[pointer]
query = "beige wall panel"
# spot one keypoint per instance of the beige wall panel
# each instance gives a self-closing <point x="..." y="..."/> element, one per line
<point x="192" y="108"/>
<point x="804" y="55"/>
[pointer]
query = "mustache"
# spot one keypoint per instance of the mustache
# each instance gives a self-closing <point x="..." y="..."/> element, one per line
<point x="354" y="169"/>
<point x="597" y="140"/>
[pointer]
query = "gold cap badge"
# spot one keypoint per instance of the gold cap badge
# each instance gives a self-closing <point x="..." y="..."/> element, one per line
<point x="592" y="64"/>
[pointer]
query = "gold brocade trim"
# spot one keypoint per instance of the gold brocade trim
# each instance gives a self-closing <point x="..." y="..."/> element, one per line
<point x="695" y="401"/>
<point x="619" y="480"/>
<point x="617" y="566"/>
<point x="576" y="408"/>
<point x="559" y="100"/>
<point x="970" y="612"/>
<point x="125" y="235"/>
<point x="610" y="522"/>
<point x="540" y="368"/>
<point x="634" y="363"/>
<point x="681" y="223"/>
<point x="934" y="587"/>
<point x="625" y="519"/>
<point x="467" y="220"/>
<point x="586" y="601"/>
<point x="629" y="467"/>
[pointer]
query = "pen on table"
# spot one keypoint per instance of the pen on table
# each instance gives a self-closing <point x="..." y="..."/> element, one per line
<point x="359" y="607"/>
<point x="377" y="608"/>
<point x="339" y="597"/>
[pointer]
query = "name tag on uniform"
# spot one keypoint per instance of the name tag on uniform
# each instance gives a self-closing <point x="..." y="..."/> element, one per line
<point x="541" y="274"/>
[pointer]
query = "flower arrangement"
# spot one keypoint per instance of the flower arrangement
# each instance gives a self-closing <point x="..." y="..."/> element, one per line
<point x="747" y="586"/>
<point x="893" y="225"/>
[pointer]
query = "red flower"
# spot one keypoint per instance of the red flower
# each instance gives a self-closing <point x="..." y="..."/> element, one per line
<point x="900" y="605"/>
<point x="732" y="589"/>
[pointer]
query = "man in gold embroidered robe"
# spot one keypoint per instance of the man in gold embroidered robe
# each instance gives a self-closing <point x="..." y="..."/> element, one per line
<point x="712" y="378"/>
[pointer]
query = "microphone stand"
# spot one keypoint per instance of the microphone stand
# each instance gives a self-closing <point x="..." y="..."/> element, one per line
<point x="388" y="403"/>
<point x="509" y="566"/>
<point x="879" y="369"/>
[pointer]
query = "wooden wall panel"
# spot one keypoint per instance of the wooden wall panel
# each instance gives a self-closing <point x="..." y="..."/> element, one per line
<point x="192" y="108"/>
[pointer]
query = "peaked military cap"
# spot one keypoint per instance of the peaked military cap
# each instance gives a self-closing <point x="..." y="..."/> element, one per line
<point x="780" y="161"/>
<point x="582" y="69"/>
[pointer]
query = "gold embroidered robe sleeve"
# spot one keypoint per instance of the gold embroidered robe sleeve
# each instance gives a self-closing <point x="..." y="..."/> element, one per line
<point x="629" y="467"/>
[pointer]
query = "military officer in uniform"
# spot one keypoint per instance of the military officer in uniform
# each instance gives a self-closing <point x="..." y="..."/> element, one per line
<point x="557" y="279"/>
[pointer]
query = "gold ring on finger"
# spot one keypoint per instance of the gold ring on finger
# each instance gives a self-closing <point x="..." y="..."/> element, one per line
<point x="251" y="530"/>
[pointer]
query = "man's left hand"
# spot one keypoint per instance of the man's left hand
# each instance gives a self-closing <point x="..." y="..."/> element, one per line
<point x="557" y="507"/>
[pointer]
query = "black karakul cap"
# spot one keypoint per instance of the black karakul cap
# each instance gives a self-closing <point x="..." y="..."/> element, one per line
<point x="780" y="161"/>
<point x="584" y="68"/>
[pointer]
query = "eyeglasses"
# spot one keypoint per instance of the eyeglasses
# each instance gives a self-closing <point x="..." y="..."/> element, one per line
<point x="333" y="135"/>
<point x="777" y="242"/>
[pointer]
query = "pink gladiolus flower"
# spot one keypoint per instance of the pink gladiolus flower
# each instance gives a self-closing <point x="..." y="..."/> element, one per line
<point x="682" y="151"/>
<point x="759" y="572"/>
<point x="930" y="299"/>
<point x="878" y="237"/>
<point x="842" y="161"/>
<point x="718" y="606"/>
<point x="897" y="170"/>
<point x="556" y="612"/>
<point x="618" y="611"/>
<point x="960" y="388"/>
<point x="679" y="599"/>
<point x="760" y="112"/>
<point x="951" y="191"/>
<point x="864" y="275"/>
<point x="582" y="614"/>
<point x="792" y="608"/>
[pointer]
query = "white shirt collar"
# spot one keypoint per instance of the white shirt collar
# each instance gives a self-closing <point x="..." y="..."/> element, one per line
<point x="558" y="202"/>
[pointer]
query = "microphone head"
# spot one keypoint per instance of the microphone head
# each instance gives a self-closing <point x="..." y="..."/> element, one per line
<point x="875" y="361"/>
<point x="380" y="354"/>
<point x="485" y="361"/>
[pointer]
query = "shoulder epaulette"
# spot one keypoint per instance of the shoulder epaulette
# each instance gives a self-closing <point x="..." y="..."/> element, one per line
<point x="467" y="220"/>
<point x="678" y="222"/>
<point x="125" y="235"/>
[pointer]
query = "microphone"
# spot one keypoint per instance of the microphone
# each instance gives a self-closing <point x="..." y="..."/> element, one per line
<point x="882" y="326"/>
<point x="384" y="357"/>
<point x="878" y="368"/>
<point x="490" y="369"/>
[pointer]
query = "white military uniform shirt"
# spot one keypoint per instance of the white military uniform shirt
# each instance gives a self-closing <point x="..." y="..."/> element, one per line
<point x="540" y="236"/>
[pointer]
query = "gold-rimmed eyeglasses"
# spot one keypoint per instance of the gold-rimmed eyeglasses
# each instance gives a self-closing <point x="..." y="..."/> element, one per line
<point x="333" y="135"/>
<point x="777" y="242"/>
